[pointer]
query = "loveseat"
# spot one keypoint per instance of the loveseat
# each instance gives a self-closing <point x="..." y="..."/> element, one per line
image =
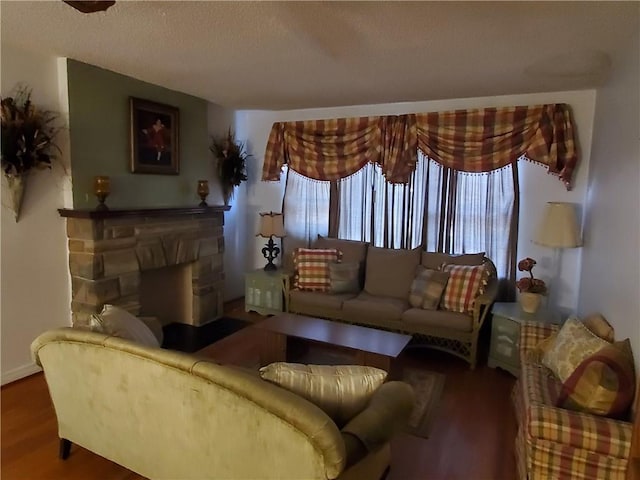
<point x="171" y="415"/>
<point x="381" y="298"/>
<point x="555" y="442"/>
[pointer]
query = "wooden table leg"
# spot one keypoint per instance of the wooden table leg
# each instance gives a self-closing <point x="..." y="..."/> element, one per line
<point x="273" y="348"/>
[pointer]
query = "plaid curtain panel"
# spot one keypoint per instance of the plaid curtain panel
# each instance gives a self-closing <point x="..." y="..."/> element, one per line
<point x="486" y="139"/>
<point x="322" y="149"/>
<point x="479" y="140"/>
<point x="337" y="148"/>
<point x="465" y="284"/>
<point x="312" y="268"/>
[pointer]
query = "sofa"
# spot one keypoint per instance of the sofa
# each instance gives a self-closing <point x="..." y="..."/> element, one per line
<point x="169" y="415"/>
<point x="555" y="442"/>
<point x="381" y="299"/>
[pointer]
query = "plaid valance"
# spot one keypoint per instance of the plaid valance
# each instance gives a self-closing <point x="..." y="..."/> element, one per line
<point x="337" y="148"/>
<point x="478" y="140"/>
<point x="487" y="139"/>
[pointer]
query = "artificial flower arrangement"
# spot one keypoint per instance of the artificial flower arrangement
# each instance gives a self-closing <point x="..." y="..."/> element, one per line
<point x="232" y="162"/>
<point x="27" y="141"/>
<point x="530" y="284"/>
<point x="27" y="134"/>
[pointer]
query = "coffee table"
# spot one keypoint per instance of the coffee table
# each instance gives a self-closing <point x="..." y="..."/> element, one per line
<point x="372" y="347"/>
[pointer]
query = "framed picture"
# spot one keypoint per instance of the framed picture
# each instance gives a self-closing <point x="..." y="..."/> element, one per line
<point x="154" y="137"/>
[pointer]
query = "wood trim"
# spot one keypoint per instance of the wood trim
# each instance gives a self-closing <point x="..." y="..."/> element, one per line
<point x="140" y="212"/>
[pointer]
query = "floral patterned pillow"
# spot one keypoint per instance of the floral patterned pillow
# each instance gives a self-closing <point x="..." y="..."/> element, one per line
<point x="574" y="343"/>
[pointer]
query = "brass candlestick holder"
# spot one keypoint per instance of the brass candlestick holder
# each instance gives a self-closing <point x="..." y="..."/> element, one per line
<point x="203" y="192"/>
<point x="102" y="189"/>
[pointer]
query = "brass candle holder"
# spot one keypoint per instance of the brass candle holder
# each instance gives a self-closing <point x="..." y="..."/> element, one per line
<point x="203" y="192"/>
<point x="101" y="189"/>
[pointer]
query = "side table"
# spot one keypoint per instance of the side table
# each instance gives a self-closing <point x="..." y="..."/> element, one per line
<point x="265" y="291"/>
<point x="505" y="333"/>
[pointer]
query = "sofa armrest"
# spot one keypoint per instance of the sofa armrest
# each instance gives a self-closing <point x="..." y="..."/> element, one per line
<point x="580" y="430"/>
<point x="483" y="302"/>
<point x="387" y="412"/>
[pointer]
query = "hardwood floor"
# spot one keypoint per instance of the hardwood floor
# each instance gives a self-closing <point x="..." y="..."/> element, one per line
<point x="472" y="437"/>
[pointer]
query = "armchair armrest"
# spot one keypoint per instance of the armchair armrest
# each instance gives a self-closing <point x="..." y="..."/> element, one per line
<point x="483" y="302"/>
<point x="387" y="412"/>
<point x="580" y="430"/>
<point x="532" y="333"/>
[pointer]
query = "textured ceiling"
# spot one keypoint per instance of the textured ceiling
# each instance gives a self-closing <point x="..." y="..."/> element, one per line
<point x="283" y="55"/>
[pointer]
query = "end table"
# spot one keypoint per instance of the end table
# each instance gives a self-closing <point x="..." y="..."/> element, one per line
<point x="505" y="333"/>
<point x="265" y="291"/>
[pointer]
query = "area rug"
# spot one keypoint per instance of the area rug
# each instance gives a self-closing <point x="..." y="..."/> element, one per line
<point x="427" y="387"/>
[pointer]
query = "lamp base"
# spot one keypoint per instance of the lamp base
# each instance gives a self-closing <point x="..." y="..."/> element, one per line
<point x="270" y="252"/>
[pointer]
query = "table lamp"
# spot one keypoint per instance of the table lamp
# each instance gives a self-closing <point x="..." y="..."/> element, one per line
<point x="558" y="229"/>
<point x="271" y="225"/>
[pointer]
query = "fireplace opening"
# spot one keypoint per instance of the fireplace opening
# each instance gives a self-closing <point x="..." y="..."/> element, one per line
<point x="166" y="293"/>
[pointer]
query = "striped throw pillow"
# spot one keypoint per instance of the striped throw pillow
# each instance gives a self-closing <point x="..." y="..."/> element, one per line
<point x="427" y="288"/>
<point x="465" y="283"/>
<point x="312" y="268"/>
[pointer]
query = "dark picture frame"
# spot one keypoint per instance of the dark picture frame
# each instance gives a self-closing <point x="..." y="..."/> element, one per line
<point x="155" y="139"/>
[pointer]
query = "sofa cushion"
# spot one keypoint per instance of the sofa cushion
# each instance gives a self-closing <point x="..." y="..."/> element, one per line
<point x="312" y="268"/>
<point x="352" y="250"/>
<point x="574" y="343"/>
<point x="344" y="277"/>
<point x="390" y="272"/>
<point x="435" y="260"/>
<point x="417" y="317"/>
<point x="116" y="321"/>
<point x="427" y="288"/>
<point x="366" y="306"/>
<point x="342" y="391"/>
<point x="603" y="384"/>
<point x="319" y="299"/>
<point x="465" y="283"/>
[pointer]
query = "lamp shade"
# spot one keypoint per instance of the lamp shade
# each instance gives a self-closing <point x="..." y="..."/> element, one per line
<point x="271" y="224"/>
<point x="559" y="226"/>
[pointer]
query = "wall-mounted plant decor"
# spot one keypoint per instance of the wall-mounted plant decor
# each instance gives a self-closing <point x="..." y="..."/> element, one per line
<point x="231" y="158"/>
<point x="28" y="134"/>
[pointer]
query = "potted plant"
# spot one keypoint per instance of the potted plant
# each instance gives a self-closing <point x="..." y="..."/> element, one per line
<point x="531" y="289"/>
<point x="27" y="141"/>
<point x="231" y="158"/>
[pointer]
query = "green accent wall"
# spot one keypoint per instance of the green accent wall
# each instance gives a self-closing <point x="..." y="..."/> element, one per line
<point x="99" y="141"/>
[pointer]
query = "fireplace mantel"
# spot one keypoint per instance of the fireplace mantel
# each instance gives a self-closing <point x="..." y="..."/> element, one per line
<point x="140" y="212"/>
<point x="112" y="251"/>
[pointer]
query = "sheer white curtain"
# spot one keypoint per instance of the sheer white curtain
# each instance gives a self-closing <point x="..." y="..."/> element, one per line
<point x="387" y="215"/>
<point x="468" y="213"/>
<point x="305" y="210"/>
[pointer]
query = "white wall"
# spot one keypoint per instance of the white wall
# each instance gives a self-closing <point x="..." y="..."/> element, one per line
<point x="34" y="273"/>
<point x="537" y="186"/>
<point x="610" y="281"/>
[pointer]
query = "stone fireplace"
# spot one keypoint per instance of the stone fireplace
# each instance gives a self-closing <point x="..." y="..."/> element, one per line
<point x="166" y="262"/>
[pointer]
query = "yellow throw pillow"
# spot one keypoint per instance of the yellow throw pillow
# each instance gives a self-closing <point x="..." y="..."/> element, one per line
<point x="574" y="343"/>
<point x="603" y="384"/>
<point x="341" y="391"/>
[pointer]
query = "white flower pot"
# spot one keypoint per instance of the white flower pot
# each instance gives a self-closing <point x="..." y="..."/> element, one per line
<point x="530" y="302"/>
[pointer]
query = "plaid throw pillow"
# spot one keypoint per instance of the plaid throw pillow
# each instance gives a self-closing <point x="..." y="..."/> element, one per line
<point x="603" y="384"/>
<point x="465" y="283"/>
<point x="427" y="288"/>
<point x="312" y="268"/>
